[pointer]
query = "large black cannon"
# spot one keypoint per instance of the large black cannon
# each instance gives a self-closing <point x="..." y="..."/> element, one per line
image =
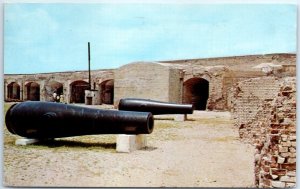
<point x="54" y="120"/>
<point x="155" y="107"/>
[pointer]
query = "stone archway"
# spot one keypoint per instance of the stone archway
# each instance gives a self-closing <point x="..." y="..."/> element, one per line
<point x="13" y="91"/>
<point x="196" y="92"/>
<point x="53" y="87"/>
<point x="107" y="92"/>
<point x="33" y="91"/>
<point x="77" y="91"/>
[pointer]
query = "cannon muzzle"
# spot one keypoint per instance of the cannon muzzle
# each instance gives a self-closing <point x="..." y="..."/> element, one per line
<point x="54" y="120"/>
<point x="155" y="107"/>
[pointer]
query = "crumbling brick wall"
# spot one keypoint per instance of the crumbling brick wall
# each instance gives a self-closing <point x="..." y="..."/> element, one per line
<point x="217" y="96"/>
<point x="249" y="97"/>
<point x="265" y="113"/>
<point x="275" y="158"/>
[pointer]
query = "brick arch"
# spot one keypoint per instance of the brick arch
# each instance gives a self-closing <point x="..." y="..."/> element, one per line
<point x="32" y="91"/>
<point x="196" y="92"/>
<point x="52" y="87"/>
<point x="77" y="89"/>
<point x="205" y="76"/>
<point x="107" y="91"/>
<point x="13" y="91"/>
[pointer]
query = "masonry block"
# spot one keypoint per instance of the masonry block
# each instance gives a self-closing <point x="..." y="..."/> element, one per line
<point x="129" y="143"/>
<point x="26" y="141"/>
<point x="290" y="185"/>
<point x="288" y="179"/>
<point x="291" y="173"/>
<point x="280" y="159"/>
<point x="180" y="117"/>
<point x="278" y="184"/>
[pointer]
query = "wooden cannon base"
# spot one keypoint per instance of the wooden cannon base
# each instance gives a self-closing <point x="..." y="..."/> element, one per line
<point x="125" y="143"/>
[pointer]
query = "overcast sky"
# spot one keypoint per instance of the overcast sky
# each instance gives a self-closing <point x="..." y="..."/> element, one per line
<point x="42" y="38"/>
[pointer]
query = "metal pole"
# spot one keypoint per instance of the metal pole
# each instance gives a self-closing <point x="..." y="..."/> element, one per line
<point x="89" y="66"/>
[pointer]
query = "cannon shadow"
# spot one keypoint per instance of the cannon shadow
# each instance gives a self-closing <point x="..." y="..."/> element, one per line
<point x="75" y="144"/>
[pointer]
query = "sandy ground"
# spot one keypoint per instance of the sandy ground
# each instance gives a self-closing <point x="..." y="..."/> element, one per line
<point x="204" y="151"/>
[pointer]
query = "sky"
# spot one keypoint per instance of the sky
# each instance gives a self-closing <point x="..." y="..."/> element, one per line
<point x="40" y="38"/>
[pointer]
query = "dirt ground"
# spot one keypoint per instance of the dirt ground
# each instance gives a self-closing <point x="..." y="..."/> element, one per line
<point x="204" y="151"/>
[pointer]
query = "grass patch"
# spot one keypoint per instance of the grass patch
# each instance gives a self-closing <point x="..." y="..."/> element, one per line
<point x="7" y="106"/>
<point x="164" y="135"/>
<point x="166" y="130"/>
<point x="7" y="136"/>
<point x="162" y="124"/>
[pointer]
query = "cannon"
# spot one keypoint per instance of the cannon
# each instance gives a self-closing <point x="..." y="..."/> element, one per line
<point x="155" y="107"/>
<point x="42" y="120"/>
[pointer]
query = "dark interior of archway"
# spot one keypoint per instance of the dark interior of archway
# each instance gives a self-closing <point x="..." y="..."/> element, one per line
<point x="13" y="91"/>
<point x="107" y="92"/>
<point x="196" y="92"/>
<point x="33" y="91"/>
<point x="59" y="90"/>
<point x="77" y="91"/>
<point x="56" y="87"/>
<point x="53" y="87"/>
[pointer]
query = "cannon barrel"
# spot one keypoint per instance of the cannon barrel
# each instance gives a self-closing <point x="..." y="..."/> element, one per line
<point x="155" y="107"/>
<point x="54" y="120"/>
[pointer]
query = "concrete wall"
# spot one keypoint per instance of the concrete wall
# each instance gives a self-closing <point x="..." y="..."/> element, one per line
<point x="175" y="85"/>
<point x="149" y="81"/>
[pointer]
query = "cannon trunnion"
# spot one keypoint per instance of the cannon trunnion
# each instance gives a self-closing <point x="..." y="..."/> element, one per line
<point x="155" y="107"/>
<point x="40" y="120"/>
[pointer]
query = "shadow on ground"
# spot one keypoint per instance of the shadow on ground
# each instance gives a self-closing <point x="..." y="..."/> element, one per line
<point x="75" y="144"/>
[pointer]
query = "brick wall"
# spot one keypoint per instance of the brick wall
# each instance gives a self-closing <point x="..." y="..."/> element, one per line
<point x="265" y="113"/>
<point x="239" y="62"/>
<point x="249" y="97"/>
<point x="221" y="73"/>
<point x="275" y="160"/>
<point x="217" y="99"/>
<point x="65" y="78"/>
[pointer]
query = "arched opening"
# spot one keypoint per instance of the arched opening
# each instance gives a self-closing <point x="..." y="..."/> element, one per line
<point x="53" y="87"/>
<point x="33" y="91"/>
<point x="77" y="91"/>
<point x="13" y="91"/>
<point x="107" y="91"/>
<point x="196" y="92"/>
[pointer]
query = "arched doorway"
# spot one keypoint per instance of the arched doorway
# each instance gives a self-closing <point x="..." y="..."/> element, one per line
<point x="196" y="91"/>
<point x="33" y="91"/>
<point x="53" y="87"/>
<point x="77" y="91"/>
<point x="107" y="91"/>
<point x="13" y="91"/>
